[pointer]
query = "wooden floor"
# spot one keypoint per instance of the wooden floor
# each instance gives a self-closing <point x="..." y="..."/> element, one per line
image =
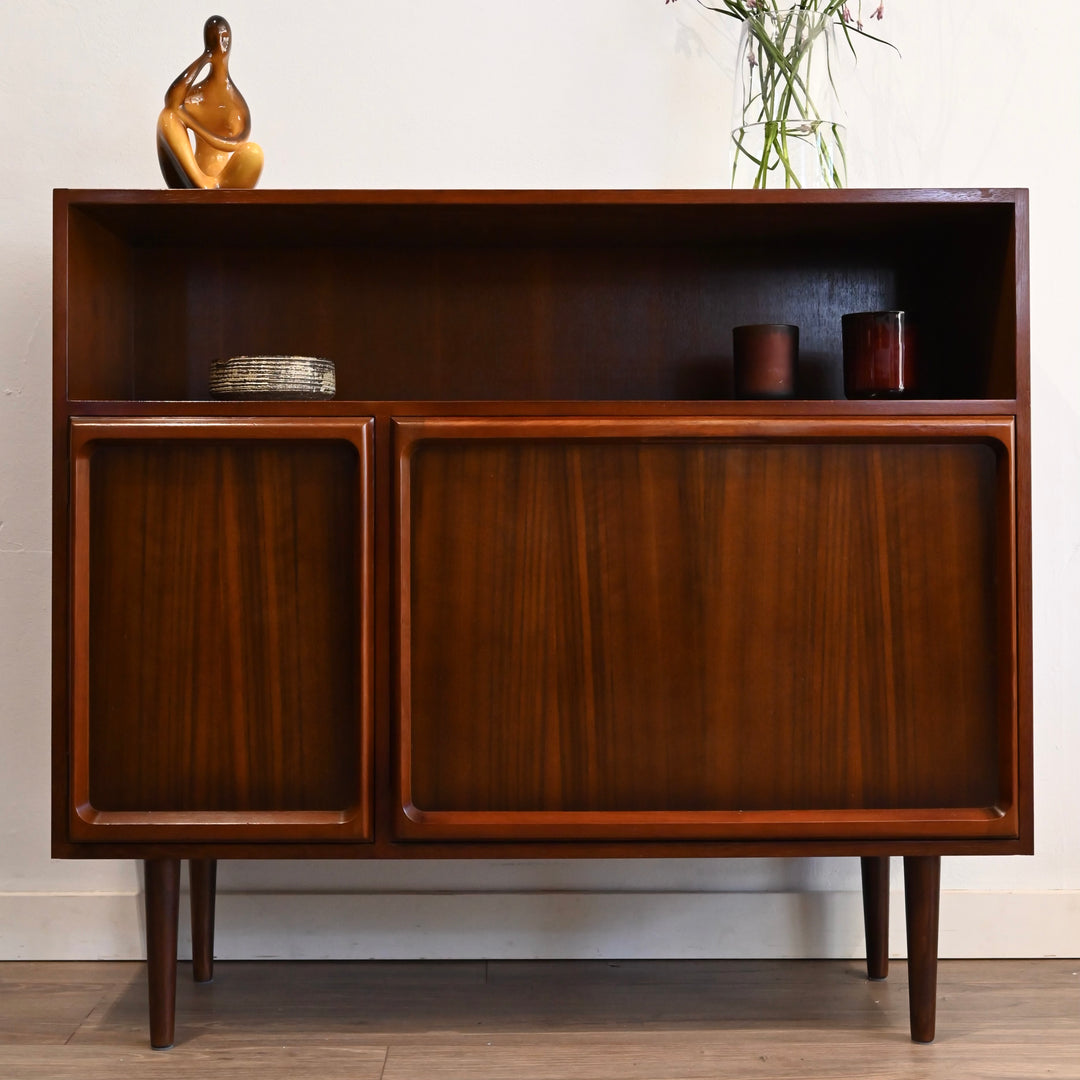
<point x="640" y="1020"/>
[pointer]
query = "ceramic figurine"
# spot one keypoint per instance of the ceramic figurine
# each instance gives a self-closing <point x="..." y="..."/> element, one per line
<point x="216" y="114"/>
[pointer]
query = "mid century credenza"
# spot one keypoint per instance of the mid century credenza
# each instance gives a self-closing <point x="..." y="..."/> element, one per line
<point x="534" y="584"/>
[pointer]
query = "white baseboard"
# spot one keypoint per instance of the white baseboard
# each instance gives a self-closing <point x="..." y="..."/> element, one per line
<point x="518" y="925"/>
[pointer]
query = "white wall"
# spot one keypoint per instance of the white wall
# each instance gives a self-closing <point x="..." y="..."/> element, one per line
<point x="497" y="93"/>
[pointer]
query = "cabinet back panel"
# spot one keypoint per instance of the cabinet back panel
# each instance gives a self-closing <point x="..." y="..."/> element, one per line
<point x="533" y="323"/>
<point x="223" y="626"/>
<point x="703" y="625"/>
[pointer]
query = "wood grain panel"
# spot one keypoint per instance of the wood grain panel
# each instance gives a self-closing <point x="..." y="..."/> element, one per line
<point x="507" y="322"/>
<point x="223" y="575"/>
<point x="599" y="625"/>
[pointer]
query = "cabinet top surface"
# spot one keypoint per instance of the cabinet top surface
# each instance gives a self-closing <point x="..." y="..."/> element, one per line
<point x="529" y="197"/>
<point x="661" y="217"/>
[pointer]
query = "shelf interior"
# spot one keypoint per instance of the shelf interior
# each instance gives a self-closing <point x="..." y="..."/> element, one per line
<point x="528" y="303"/>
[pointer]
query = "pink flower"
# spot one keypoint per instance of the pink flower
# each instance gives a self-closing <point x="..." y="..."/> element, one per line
<point x="849" y="18"/>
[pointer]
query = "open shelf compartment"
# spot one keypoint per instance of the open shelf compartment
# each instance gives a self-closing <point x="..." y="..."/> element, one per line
<point x="528" y="296"/>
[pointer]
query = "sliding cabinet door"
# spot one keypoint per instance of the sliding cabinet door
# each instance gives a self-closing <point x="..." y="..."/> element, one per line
<point x="672" y="628"/>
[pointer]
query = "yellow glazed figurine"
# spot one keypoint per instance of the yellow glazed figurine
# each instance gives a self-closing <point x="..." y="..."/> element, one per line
<point x="216" y="114"/>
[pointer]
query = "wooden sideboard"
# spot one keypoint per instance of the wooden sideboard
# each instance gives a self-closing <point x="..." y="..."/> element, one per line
<point x="534" y="585"/>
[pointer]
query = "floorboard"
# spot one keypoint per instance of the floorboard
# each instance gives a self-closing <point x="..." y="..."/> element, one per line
<point x="541" y="1020"/>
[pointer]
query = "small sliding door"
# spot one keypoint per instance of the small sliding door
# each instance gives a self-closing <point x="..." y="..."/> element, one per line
<point x="221" y="601"/>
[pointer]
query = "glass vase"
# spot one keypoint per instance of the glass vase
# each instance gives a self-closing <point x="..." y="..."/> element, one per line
<point x="786" y="130"/>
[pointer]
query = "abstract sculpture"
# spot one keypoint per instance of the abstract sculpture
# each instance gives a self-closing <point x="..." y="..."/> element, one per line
<point x="202" y="131"/>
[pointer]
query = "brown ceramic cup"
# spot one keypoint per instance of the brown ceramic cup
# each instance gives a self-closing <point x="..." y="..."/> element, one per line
<point x="881" y="356"/>
<point x="766" y="360"/>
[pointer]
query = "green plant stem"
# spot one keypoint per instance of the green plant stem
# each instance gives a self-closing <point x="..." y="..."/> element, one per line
<point x="784" y="88"/>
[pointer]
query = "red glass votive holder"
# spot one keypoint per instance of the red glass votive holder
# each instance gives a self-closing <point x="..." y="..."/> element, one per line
<point x="766" y="360"/>
<point x="881" y="356"/>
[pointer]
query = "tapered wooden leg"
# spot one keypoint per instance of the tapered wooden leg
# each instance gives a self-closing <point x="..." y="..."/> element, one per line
<point x="202" y="876"/>
<point x="162" y="913"/>
<point x="922" y="893"/>
<point x="875" y="902"/>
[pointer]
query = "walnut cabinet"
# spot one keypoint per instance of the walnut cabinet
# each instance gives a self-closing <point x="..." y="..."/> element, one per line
<point x="533" y="584"/>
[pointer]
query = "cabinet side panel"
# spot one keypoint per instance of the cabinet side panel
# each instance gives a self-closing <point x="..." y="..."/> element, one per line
<point x="99" y="311"/>
<point x="222" y="626"/>
<point x="695" y="625"/>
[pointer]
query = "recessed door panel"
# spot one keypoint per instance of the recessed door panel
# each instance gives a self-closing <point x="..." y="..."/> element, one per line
<point x="695" y="628"/>
<point x="222" y="655"/>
